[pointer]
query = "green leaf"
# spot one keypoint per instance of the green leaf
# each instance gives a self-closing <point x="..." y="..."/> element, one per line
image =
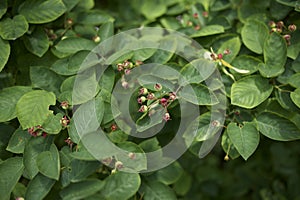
<point x="93" y="17"/>
<point x="156" y="191"/>
<point x="254" y="34"/>
<point x="161" y="56"/>
<point x="37" y="42"/>
<point x="228" y="146"/>
<point x="233" y="45"/>
<point x="10" y="172"/>
<point x="294" y="80"/>
<point x="198" y="94"/>
<point x="17" y="141"/>
<point x="70" y="4"/>
<point x="293" y="49"/>
<point x="8" y="100"/>
<point x="33" y="148"/>
<point x="69" y="65"/>
<point x="33" y="108"/>
<point x="3" y="8"/>
<point x="52" y="125"/>
<point x="48" y="163"/>
<point x="71" y="45"/>
<point x="276" y="127"/>
<point x="42" y="11"/>
<point x="106" y="30"/>
<point x="169" y="174"/>
<point x="183" y="184"/>
<point x="39" y="187"/>
<point x="11" y="29"/>
<point x="274" y="55"/>
<point x="121" y="186"/>
<point x="80" y="190"/>
<point x="4" y="53"/>
<point x="295" y="96"/>
<point x="44" y="78"/>
<point x="208" y="30"/>
<point x="245" y="138"/>
<point x="153" y="9"/>
<point x="246" y="62"/>
<point x="250" y="91"/>
<point x="197" y="71"/>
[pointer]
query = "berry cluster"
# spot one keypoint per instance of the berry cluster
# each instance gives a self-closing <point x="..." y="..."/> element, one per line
<point x="192" y="21"/>
<point x="280" y="27"/>
<point x="36" y="131"/>
<point x="125" y="68"/>
<point x="149" y="100"/>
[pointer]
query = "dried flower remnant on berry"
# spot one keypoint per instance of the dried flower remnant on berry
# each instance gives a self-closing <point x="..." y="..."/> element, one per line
<point x="143" y="91"/>
<point x="141" y="99"/>
<point x="143" y="109"/>
<point x="64" y="105"/>
<point x="64" y="121"/>
<point x="158" y="87"/>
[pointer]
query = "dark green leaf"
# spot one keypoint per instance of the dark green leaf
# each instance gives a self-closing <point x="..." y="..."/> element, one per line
<point x="276" y="127"/>
<point x="71" y="45"/>
<point x="94" y="17"/>
<point x="48" y="163"/>
<point x="156" y="191"/>
<point x="295" y="96"/>
<point x="198" y="94"/>
<point x="274" y="55"/>
<point x="80" y="190"/>
<point x="121" y="186"/>
<point x="18" y="140"/>
<point x="10" y="172"/>
<point x="37" y="43"/>
<point x="39" y="187"/>
<point x="11" y="29"/>
<point x="245" y="138"/>
<point x="8" y="100"/>
<point x="3" y="8"/>
<point x="42" y="11"/>
<point x="153" y="9"/>
<point x="169" y="174"/>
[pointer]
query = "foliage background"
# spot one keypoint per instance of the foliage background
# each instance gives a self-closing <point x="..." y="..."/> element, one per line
<point x="42" y="45"/>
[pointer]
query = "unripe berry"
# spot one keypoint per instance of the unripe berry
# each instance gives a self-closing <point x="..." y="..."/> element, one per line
<point x="118" y="165"/>
<point x="125" y="84"/>
<point x="166" y="117"/>
<point x="113" y="127"/>
<point x="195" y="15"/>
<point x="163" y="102"/>
<point x="143" y="91"/>
<point x="226" y="158"/>
<point x="143" y="109"/>
<point x="64" y="105"/>
<point x="292" y="27"/>
<point x="96" y="39"/>
<point x="272" y="24"/>
<point x="150" y="96"/>
<point x="220" y="56"/>
<point x="141" y="99"/>
<point x="158" y="87"/>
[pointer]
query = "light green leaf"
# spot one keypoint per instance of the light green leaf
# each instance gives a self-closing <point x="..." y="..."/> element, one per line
<point x="254" y="33"/>
<point x="250" y="91"/>
<point x="44" y="78"/>
<point x="294" y="80"/>
<point x="71" y="45"/>
<point x="106" y="30"/>
<point x="208" y="30"/>
<point x="4" y="53"/>
<point x="276" y="127"/>
<point x="245" y="138"/>
<point x="39" y="187"/>
<point x="295" y="96"/>
<point x="121" y="186"/>
<point x="274" y="55"/>
<point x="228" y="146"/>
<point x="10" y="173"/>
<point x="246" y="62"/>
<point x="11" y="29"/>
<point x="42" y="11"/>
<point x="52" y="125"/>
<point x="17" y="141"/>
<point x="233" y="45"/>
<point x="33" y="108"/>
<point x="198" y="94"/>
<point x="8" y="100"/>
<point x="197" y="71"/>
<point x="156" y="191"/>
<point x="37" y="42"/>
<point x="153" y="9"/>
<point x="48" y="163"/>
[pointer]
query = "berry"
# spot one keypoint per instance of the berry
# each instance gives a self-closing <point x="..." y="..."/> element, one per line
<point x="113" y="127"/>
<point x="166" y="117"/>
<point x="125" y="84"/>
<point x="205" y="14"/>
<point x="163" y="102"/>
<point x="143" y="91"/>
<point x="118" y="165"/>
<point x="272" y="24"/>
<point x="197" y="27"/>
<point x="141" y="99"/>
<point x="150" y="96"/>
<point x="220" y="56"/>
<point x="64" y="105"/>
<point x="292" y="27"/>
<point x="96" y="39"/>
<point x="143" y="109"/>
<point x="132" y="156"/>
<point x="64" y="121"/>
<point x="158" y="87"/>
<point x="172" y="96"/>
